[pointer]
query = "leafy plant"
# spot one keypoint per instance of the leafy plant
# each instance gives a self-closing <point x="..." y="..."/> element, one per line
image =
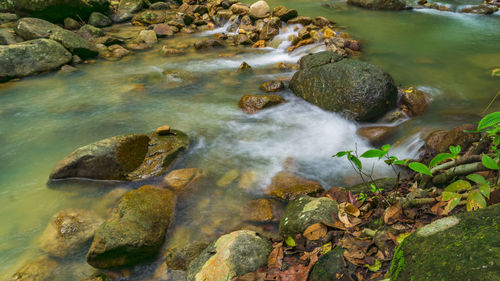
<point x="476" y="195"/>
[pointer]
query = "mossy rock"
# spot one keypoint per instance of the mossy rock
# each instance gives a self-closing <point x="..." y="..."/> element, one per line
<point x="129" y="157"/>
<point x="233" y="254"/>
<point x="384" y="183"/>
<point x="136" y="229"/>
<point x="179" y="258"/>
<point x="41" y="269"/>
<point x="355" y="89"/>
<point x="319" y="59"/>
<point x="328" y="266"/>
<point x="463" y="247"/>
<point x="305" y="211"/>
<point x="58" y="10"/>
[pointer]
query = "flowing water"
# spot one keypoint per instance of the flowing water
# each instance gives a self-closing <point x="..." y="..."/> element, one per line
<point x="44" y="118"/>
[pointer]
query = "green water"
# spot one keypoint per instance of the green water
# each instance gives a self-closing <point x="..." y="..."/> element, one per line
<point x="44" y="118"/>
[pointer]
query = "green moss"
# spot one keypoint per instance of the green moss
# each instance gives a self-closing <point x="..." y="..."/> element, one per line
<point x="398" y="263"/>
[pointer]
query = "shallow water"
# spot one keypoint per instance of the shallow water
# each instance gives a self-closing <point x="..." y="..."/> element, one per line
<point x="44" y="118"/>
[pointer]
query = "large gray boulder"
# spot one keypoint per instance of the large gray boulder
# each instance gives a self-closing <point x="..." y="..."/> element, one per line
<point x="232" y="255"/>
<point x="379" y="4"/>
<point x="55" y="10"/>
<point x="358" y="90"/>
<point x="461" y="247"/>
<point x="136" y="229"/>
<point x="31" y="57"/>
<point x="33" y="28"/>
<point x="129" y="157"/>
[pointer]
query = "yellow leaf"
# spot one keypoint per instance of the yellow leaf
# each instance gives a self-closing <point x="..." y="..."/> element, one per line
<point x="315" y="231"/>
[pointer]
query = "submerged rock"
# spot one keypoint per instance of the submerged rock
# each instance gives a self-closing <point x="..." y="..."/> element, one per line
<point x="253" y="103"/>
<point x="183" y="179"/>
<point x="376" y="134"/>
<point x="136" y="229"/>
<point x="356" y="89"/>
<point x="379" y="4"/>
<point x="286" y="185"/>
<point x="208" y="44"/>
<point x="31" y="57"/>
<point x="262" y="210"/>
<point x="304" y="211"/>
<point x="273" y="86"/>
<point x="414" y="102"/>
<point x="462" y="247"/>
<point x="483" y="9"/>
<point x="42" y="269"/>
<point x="180" y="258"/>
<point x="130" y="157"/>
<point x="68" y="231"/>
<point x="33" y="28"/>
<point x="232" y="255"/>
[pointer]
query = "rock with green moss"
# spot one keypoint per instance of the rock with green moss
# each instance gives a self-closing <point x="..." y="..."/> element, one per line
<point x="127" y="9"/>
<point x="379" y="4"/>
<point x="356" y="89"/>
<point x="319" y="59"/>
<point x="461" y="247"/>
<point x="384" y="183"/>
<point x="129" y="157"/>
<point x="58" y="10"/>
<point x="304" y="211"/>
<point x="99" y="20"/>
<point x="31" y="57"/>
<point x="179" y="258"/>
<point x="233" y="254"/>
<point x="136" y="229"/>
<point x="329" y="266"/>
<point x="33" y="28"/>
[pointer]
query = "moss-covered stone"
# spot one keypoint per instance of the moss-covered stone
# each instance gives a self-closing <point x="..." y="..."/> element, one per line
<point x="358" y="90"/>
<point x="58" y="10"/>
<point x="136" y="229"/>
<point x="328" y="266"/>
<point x="179" y="258"/>
<point x="305" y="211"/>
<point x="319" y="59"/>
<point x="463" y="247"/>
<point x="31" y="57"/>
<point x="130" y="157"/>
<point x="41" y="269"/>
<point x="379" y="4"/>
<point x="232" y="255"/>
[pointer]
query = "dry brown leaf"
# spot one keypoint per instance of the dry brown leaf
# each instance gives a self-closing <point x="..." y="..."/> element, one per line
<point x="275" y="259"/>
<point x="315" y="231"/>
<point x="439" y="208"/>
<point x="392" y="213"/>
<point x="350" y="209"/>
<point x="338" y="194"/>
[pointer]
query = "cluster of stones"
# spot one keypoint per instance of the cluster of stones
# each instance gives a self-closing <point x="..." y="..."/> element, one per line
<point x="485" y="8"/>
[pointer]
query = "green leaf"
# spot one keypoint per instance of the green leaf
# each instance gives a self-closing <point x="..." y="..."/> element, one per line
<point x="495" y="72"/>
<point x="455" y="150"/>
<point x="458" y="186"/>
<point x="326" y="248"/>
<point x="289" y="241"/>
<point x="485" y="190"/>
<point x="489" y="163"/>
<point x="496" y="140"/>
<point x="374" y="153"/>
<point x="475" y="201"/>
<point x="489" y="120"/>
<point x="420" y="168"/>
<point x="375" y="267"/>
<point x="453" y="203"/>
<point x="386" y="147"/>
<point x="373" y="187"/>
<point x="477" y="179"/>
<point x="448" y="195"/>
<point x="439" y="158"/>
<point x="401" y="162"/>
<point x="341" y="153"/>
<point x="356" y="161"/>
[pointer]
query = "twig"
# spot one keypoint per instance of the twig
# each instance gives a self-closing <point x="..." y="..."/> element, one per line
<point x="460" y="161"/>
<point x="458" y="171"/>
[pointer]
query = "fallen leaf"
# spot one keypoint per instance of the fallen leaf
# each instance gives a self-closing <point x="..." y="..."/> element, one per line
<point x="315" y="231"/>
<point x="290" y="242"/>
<point x="392" y="213"/>
<point x="275" y="259"/>
<point x="375" y="267"/>
<point x="438" y="208"/>
<point x="350" y="209"/>
<point x="338" y="194"/>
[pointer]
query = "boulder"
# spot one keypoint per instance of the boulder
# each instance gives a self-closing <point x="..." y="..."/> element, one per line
<point x="179" y="258"/>
<point x="244" y="67"/>
<point x="358" y="90"/>
<point x="461" y="247"/>
<point x="284" y="14"/>
<point x="286" y="185"/>
<point x="163" y="30"/>
<point x="167" y="51"/>
<point x="41" y="269"/>
<point x="183" y="179"/>
<point x="304" y="211"/>
<point x="483" y="9"/>
<point x="147" y="36"/>
<point x="300" y="20"/>
<point x="99" y="20"/>
<point x="379" y="4"/>
<point x="239" y="9"/>
<point x="127" y="9"/>
<point x="232" y="255"/>
<point x="272" y="86"/>
<point x="270" y="29"/>
<point x="136" y="229"/>
<point x="129" y="157"/>
<point x="68" y="231"/>
<point x="33" y="28"/>
<point x="149" y="17"/>
<point x="259" y="10"/>
<point x="71" y="24"/>
<point x="31" y="57"/>
<point x="8" y="17"/>
<point x="58" y="10"/>
<point x="209" y="44"/>
<point x="414" y="102"/>
<point x="8" y="37"/>
<point x="254" y="103"/>
<point x="440" y="141"/>
<point x="329" y="267"/>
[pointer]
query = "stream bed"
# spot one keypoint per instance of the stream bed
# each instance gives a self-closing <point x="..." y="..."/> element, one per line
<point x="44" y="118"/>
